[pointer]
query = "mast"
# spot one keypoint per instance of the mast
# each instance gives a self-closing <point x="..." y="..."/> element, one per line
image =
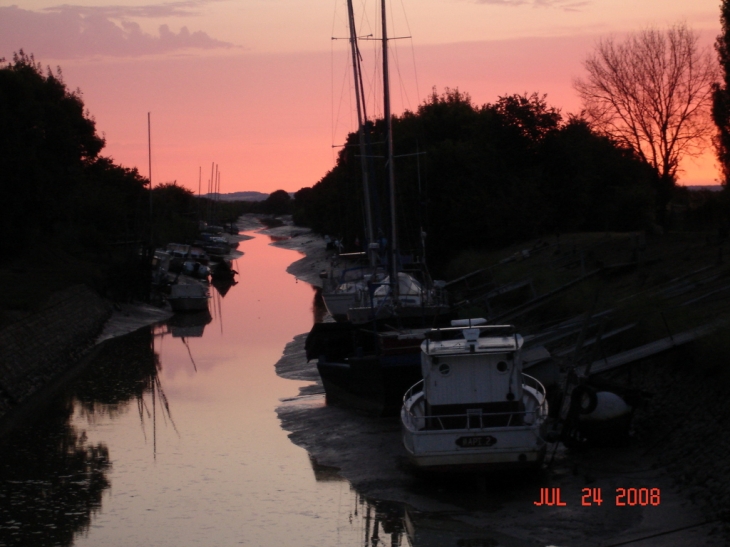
<point x="391" y="173"/>
<point x="149" y="167"/>
<point x="361" y="118"/>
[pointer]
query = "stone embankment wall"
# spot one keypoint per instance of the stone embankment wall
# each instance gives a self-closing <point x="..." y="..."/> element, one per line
<point x="43" y="345"/>
<point x="683" y="427"/>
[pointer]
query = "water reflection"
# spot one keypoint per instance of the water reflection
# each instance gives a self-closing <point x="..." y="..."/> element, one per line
<point x="51" y="477"/>
<point x="189" y="325"/>
<point x="383" y="523"/>
<point x="223" y="285"/>
<point x="123" y="372"/>
<point x="51" y="482"/>
<point x="230" y="476"/>
<point x="378" y="523"/>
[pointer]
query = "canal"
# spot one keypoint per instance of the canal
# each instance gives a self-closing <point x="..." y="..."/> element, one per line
<point x="170" y="436"/>
<point x="183" y="434"/>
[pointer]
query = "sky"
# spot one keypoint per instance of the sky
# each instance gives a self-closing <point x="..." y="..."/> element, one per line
<point x="260" y="88"/>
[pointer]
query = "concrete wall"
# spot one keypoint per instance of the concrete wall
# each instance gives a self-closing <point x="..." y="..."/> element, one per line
<point x="42" y="346"/>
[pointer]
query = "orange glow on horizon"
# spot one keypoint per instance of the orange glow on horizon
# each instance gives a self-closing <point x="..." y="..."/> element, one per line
<point x="264" y="92"/>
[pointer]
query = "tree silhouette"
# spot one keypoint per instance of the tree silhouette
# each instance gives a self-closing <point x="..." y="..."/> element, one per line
<point x="651" y="93"/>
<point x="721" y="94"/>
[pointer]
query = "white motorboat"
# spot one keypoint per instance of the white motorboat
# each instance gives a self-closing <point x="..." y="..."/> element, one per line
<point x="474" y="406"/>
<point x="188" y="297"/>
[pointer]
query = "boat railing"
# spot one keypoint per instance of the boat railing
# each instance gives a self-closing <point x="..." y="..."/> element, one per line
<point x="477" y="418"/>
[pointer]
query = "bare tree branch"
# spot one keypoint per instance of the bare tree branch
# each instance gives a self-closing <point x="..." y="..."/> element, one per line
<point x="652" y="93"/>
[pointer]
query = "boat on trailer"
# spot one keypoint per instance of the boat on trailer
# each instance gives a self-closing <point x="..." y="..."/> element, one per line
<point x="474" y="408"/>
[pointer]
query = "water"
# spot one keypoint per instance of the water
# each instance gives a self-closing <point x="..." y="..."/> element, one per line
<point x="170" y="440"/>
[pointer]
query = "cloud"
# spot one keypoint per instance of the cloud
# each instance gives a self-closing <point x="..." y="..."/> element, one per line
<point x="565" y="5"/>
<point x="69" y="32"/>
<point x="185" y="8"/>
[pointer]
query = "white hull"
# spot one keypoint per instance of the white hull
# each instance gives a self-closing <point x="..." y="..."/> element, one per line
<point x="518" y="446"/>
<point x="485" y="440"/>
<point x="338" y="303"/>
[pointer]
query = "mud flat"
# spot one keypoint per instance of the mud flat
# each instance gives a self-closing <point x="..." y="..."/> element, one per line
<point x="487" y="509"/>
<point x="494" y="509"/>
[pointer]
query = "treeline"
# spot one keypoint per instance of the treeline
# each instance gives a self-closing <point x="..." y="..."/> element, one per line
<point x="66" y="207"/>
<point x="57" y="187"/>
<point x="483" y="177"/>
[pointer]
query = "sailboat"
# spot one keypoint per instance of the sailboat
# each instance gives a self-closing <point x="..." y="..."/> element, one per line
<point x="348" y="289"/>
<point x="375" y="292"/>
<point x="361" y="363"/>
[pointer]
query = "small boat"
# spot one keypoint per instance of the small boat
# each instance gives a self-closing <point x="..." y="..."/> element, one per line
<point x="474" y="407"/>
<point x="364" y="369"/>
<point x="411" y="305"/>
<point x="195" y="269"/>
<point x="197" y="254"/>
<point x="188" y="297"/>
<point x="351" y="289"/>
<point x="178" y="254"/>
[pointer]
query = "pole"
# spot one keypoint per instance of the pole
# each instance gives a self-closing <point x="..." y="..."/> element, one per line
<point x="361" y="118"/>
<point x="149" y="166"/>
<point x="391" y="170"/>
<point x="210" y="190"/>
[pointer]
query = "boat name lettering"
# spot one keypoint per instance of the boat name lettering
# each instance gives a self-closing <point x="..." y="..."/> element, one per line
<point x="476" y="442"/>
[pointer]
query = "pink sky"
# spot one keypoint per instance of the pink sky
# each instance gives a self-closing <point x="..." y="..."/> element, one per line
<point x="260" y="88"/>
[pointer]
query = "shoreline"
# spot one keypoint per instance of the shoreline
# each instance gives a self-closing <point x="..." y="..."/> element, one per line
<point x="367" y="452"/>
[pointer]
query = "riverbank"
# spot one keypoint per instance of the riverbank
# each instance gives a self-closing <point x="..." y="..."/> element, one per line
<point x="368" y="453"/>
<point x="41" y="350"/>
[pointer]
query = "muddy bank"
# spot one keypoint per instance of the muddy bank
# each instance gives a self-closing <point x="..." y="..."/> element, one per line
<point x="682" y="427"/>
<point x="500" y="509"/>
<point x="316" y="260"/>
<point x="39" y="349"/>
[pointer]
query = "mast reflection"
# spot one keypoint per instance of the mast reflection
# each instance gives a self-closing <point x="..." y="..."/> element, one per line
<point x="51" y="477"/>
<point x="381" y="523"/>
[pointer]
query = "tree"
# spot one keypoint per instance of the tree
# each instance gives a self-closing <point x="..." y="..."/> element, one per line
<point x="47" y="141"/>
<point x="721" y="94"/>
<point x="652" y="93"/>
<point x="278" y="203"/>
<point x="530" y="116"/>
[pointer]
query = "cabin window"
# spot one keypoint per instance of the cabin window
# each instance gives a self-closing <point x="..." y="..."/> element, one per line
<point x="502" y="366"/>
<point x="444" y="369"/>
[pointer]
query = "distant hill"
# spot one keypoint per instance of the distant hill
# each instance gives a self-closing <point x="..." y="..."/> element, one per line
<point x="238" y="196"/>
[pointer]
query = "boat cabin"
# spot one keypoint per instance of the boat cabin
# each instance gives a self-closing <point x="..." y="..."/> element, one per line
<point x="473" y="370"/>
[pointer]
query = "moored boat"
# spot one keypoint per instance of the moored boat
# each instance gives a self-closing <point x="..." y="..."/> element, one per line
<point x="188" y="297"/>
<point x="350" y="289"/>
<point x="364" y="369"/>
<point x="474" y="407"/>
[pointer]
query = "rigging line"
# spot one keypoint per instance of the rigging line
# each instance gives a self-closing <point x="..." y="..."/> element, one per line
<point x="413" y="51"/>
<point x="336" y="118"/>
<point x="345" y="82"/>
